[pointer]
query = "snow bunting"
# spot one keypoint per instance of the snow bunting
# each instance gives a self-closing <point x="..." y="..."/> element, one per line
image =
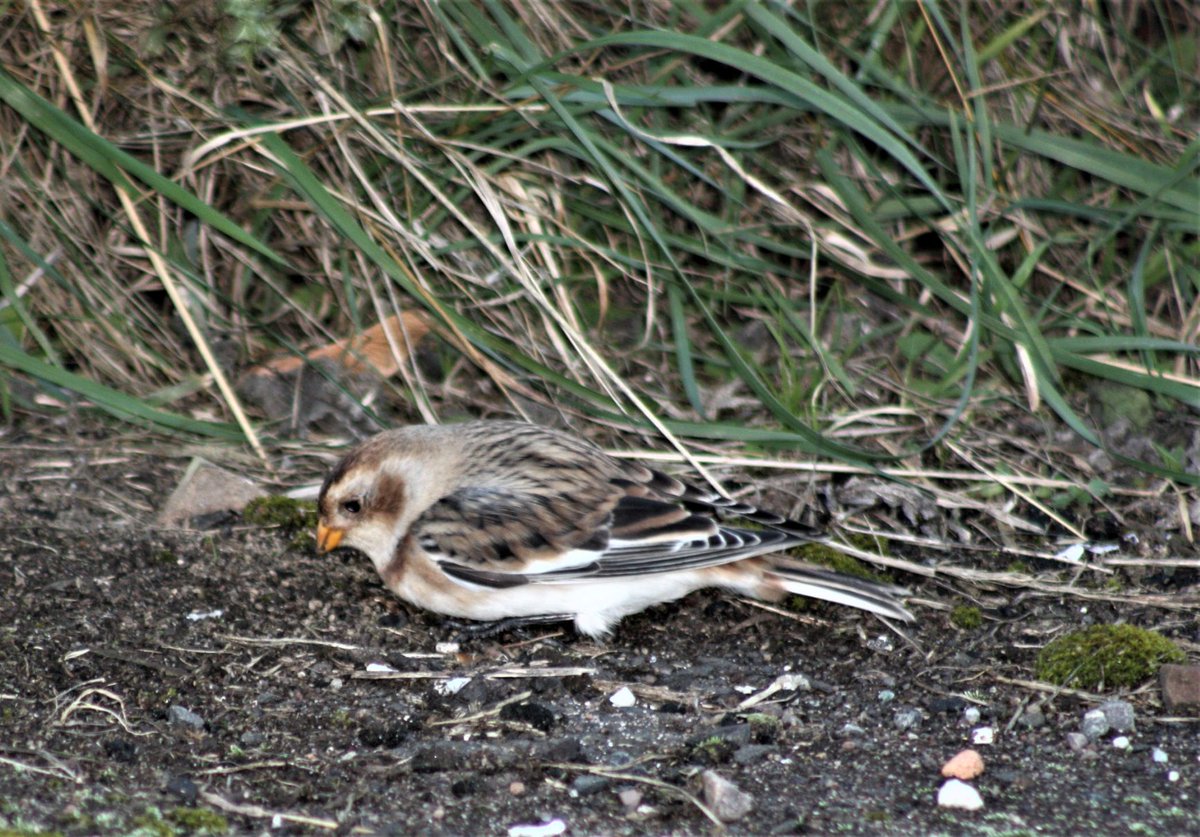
<point x="493" y="520"/>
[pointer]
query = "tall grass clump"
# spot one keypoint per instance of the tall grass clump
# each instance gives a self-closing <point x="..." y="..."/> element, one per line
<point x="860" y="231"/>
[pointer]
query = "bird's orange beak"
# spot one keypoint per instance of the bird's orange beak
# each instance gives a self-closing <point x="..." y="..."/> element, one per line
<point x="328" y="537"/>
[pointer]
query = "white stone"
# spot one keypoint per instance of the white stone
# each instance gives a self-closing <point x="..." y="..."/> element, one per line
<point x="546" y="829"/>
<point x="983" y="735"/>
<point x="1072" y="553"/>
<point x="958" y="794"/>
<point x="623" y="698"/>
<point x="452" y="686"/>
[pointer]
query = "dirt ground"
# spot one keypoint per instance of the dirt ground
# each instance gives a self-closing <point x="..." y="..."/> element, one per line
<point x="230" y="680"/>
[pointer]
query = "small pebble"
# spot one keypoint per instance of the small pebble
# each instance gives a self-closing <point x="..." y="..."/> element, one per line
<point x="1121" y="742"/>
<point x="454" y="648"/>
<point x="452" y="686"/>
<point x="1032" y="717"/>
<point x="180" y="715"/>
<point x="907" y="717"/>
<point x="881" y="644"/>
<point x="1072" y="553"/>
<point x="958" y="794"/>
<point x="623" y="698"/>
<point x="793" y="683"/>
<point x="516" y="788"/>
<point x="1159" y="755"/>
<point x="630" y="798"/>
<point x="1094" y="725"/>
<point x="972" y="715"/>
<point x="546" y="829"/>
<point x="849" y="729"/>
<point x="751" y="753"/>
<point x="380" y="668"/>
<point x="886" y="695"/>
<point x="965" y="765"/>
<point x="589" y="783"/>
<point x="1076" y="741"/>
<point x="983" y="735"/>
<point x="946" y="705"/>
<point x="1120" y="715"/>
<point x="724" y="798"/>
<point x="1173" y="776"/>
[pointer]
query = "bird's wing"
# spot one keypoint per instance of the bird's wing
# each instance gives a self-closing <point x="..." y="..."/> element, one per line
<point x="509" y="532"/>
<point x="499" y="540"/>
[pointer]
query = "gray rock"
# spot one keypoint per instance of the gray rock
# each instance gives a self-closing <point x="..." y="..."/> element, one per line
<point x="1033" y="717"/>
<point x="751" y="753"/>
<point x="1180" y="686"/>
<point x="586" y="784"/>
<point x="1076" y="741"/>
<point x="724" y="798"/>
<point x="1094" y="725"/>
<point x="204" y="489"/>
<point x="907" y="717"/>
<point x="185" y="717"/>
<point x="1120" y="715"/>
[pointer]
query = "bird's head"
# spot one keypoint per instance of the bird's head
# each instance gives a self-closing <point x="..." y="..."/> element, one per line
<point x="374" y="493"/>
<point x="362" y="506"/>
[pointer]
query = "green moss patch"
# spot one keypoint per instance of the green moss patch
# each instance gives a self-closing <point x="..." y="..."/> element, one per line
<point x="199" y="821"/>
<point x="283" y="512"/>
<point x="967" y="617"/>
<point x="1117" y="656"/>
<point x="828" y="556"/>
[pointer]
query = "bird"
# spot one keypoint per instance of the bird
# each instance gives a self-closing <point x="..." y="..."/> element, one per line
<point x="498" y="520"/>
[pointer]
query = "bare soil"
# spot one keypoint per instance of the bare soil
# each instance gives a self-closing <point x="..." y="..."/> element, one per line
<point x="315" y="701"/>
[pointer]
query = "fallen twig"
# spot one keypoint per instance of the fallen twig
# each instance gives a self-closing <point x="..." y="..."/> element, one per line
<point x="259" y="812"/>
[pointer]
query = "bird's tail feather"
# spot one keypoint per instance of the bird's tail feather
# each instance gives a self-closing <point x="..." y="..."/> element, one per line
<point x="827" y="585"/>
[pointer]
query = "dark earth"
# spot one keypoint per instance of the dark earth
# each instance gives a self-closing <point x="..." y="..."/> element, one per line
<point x="229" y="680"/>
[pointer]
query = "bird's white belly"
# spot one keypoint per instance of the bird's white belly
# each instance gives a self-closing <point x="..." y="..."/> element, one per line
<point x="595" y="605"/>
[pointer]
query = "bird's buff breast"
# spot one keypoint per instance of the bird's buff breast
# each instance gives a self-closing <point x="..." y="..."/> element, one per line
<point x="412" y="576"/>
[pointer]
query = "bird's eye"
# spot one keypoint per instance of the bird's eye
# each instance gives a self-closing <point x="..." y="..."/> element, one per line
<point x="352" y="506"/>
